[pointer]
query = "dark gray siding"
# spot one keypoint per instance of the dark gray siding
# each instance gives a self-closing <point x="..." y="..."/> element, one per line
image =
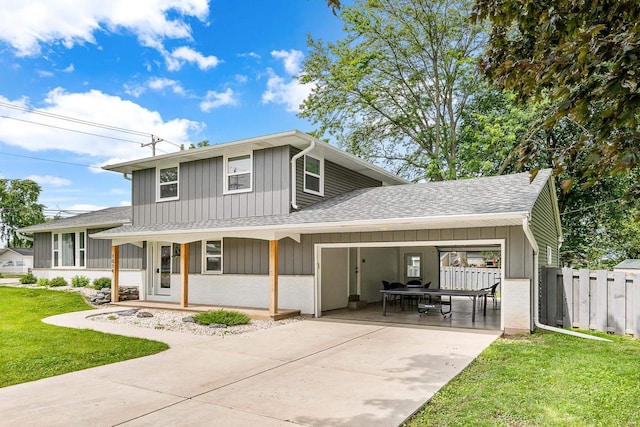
<point x="247" y="256"/>
<point x="543" y="226"/>
<point x="42" y="250"/>
<point x="337" y="180"/>
<point x="201" y="191"/>
<point x="99" y="253"/>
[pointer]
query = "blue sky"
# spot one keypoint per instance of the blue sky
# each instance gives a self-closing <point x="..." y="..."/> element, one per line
<point x="184" y="70"/>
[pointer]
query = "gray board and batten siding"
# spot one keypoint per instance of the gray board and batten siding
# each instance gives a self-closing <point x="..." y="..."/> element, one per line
<point x="201" y="191"/>
<point x="250" y="256"/>
<point x="337" y="180"/>
<point x="544" y="227"/>
<point x="98" y="253"/>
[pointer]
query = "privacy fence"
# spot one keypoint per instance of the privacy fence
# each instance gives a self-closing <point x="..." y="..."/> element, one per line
<point x="468" y="277"/>
<point x="600" y="300"/>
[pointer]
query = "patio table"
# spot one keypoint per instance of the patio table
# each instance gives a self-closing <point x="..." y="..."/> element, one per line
<point x="473" y="293"/>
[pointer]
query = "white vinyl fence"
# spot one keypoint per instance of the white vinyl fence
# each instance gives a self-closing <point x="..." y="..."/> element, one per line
<point x="468" y="277"/>
<point x="607" y="301"/>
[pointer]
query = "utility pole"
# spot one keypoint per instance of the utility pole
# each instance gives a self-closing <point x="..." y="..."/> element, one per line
<point x="153" y="143"/>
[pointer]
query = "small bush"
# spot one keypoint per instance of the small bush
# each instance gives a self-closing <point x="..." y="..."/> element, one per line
<point x="224" y="317"/>
<point x="57" y="281"/>
<point x="102" y="282"/>
<point x="79" y="281"/>
<point x="28" y="279"/>
<point x="43" y="281"/>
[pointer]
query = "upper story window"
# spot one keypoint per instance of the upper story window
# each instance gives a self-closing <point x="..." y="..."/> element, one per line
<point x="168" y="183"/>
<point x="314" y="175"/>
<point x="212" y="253"/>
<point x="238" y="173"/>
<point x="69" y="249"/>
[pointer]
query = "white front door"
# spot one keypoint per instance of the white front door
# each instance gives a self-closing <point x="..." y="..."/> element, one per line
<point x="162" y="265"/>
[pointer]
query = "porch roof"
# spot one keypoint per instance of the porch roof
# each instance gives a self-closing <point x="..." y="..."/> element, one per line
<point x="480" y="202"/>
<point x="109" y="217"/>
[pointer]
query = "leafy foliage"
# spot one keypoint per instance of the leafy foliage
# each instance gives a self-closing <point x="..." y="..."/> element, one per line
<point x="57" y="282"/>
<point x="583" y="55"/>
<point x="28" y="279"/>
<point x="102" y="282"/>
<point x="79" y="281"/>
<point x="19" y="207"/>
<point x="43" y="281"/>
<point x="396" y="88"/>
<point x="223" y="317"/>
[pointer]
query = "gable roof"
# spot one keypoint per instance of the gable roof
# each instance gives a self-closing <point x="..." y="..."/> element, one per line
<point x="19" y="251"/>
<point x="628" y="264"/>
<point x="489" y="201"/>
<point x="109" y="217"/>
<point x="294" y="138"/>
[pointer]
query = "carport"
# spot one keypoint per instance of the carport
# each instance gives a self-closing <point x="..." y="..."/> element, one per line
<point x="359" y="268"/>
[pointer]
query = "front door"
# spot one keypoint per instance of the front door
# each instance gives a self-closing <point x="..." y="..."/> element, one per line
<point x="162" y="276"/>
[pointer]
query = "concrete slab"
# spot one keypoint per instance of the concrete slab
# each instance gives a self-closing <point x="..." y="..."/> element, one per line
<point x="309" y="372"/>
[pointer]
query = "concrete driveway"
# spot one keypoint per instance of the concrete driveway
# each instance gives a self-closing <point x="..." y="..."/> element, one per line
<point x="314" y="372"/>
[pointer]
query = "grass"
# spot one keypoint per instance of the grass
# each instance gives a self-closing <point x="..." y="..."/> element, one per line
<point x="223" y="317"/>
<point x="543" y="379"/>
<point x="31" y="349"/>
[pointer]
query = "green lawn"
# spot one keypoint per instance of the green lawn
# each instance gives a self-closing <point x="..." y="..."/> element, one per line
<point x="546" y="379"/>
<point x="30" y="349"/>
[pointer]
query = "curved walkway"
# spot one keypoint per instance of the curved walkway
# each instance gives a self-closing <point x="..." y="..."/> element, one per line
<point x="314" y="372"/>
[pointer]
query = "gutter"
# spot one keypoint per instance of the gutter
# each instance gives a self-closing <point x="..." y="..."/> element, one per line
<point x="294" y="159"/>
<point x="536" y="289"/>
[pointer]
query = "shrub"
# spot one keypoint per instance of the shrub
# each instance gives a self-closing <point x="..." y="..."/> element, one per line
<point x="57" y="281"/>
<point x="28" y="279"/>
<point x="224" y="317"/>
<point x="43" y="281"/>
<point x="102" y="282"/>
<point x="79" y="281"/>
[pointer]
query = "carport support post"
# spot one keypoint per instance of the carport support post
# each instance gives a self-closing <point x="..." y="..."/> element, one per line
<point x="184" y="274"/>
<point x="115" y="269"/>
<point x="273" y="277"/>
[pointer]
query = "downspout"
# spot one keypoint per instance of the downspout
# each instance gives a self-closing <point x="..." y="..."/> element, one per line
<point x="294" y="159"/>
<point x="536" y="288"/>
<point x="126" y="176"/>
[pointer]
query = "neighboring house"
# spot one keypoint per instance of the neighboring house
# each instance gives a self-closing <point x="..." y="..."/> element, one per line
<point x="16" y="260"/>
<point x="629" y="266"/>
<point x="289" y="221"/>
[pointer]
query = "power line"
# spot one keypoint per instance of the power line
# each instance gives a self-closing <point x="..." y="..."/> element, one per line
<point x="51" y="160"/>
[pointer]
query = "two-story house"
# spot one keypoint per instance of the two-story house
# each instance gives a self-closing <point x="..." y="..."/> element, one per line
<point x="289" y="221"/>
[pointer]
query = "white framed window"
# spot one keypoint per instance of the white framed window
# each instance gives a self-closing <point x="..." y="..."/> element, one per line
<point x="69" y="249"/>
<point x="313" y="175"/>
<point x="167" y="179"/>
<point x="238" y="173"/>
<point x="212" y="256"/>
<point x="413" y="266"/>
<point x="549" y="255"/>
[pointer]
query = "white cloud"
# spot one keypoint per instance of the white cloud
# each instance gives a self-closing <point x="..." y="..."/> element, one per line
<point x="92" y="106"/>
<point x="185" y="54"/>
<point x="241" y="78"/>
<point x="26" y="25"/>
<point x="287" y="91"/>
<point x="43" y="73"/>
<point x="161" y="83"/>
<point x="292" y="60"/>
<point x="218" y="99"/>
<point x="69" y="69"/>
<point x="53" y="181"/>
<point x="249" y="55"/>
<point x="85" y="207"/>
<point x="125" y="202"/>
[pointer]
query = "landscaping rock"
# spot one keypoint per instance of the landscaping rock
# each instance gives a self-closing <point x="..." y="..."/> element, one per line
<point x="188" y="319"/>
<point x="144" y="314"/>
<point x="217" y="325"/>
<point x="128" y="312"/>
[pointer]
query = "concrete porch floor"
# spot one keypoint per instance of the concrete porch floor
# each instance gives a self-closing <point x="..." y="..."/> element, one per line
<point x="460" y="315"/>
<point x="254" y="313"/>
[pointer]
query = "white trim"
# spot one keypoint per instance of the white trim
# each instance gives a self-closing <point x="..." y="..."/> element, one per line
<point x="159" y="184"/>
<point x="317" y="250"/>
<point x="203" y="245"/>
<point x="226" y="173"/>
<point x="319" y="176"/>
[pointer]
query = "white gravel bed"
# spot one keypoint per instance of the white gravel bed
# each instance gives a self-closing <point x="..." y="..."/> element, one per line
<point x="170" y="320"/>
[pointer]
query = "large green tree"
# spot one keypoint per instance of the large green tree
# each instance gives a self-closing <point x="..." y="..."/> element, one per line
<point x="584" y="56"/>
<point x="19" y="207"/>
<point x="395" y="90"/>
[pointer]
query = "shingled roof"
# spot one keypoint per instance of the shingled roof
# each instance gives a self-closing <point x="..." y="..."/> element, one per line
<point x="109" y="217"/>
<point x="506" y="195"/>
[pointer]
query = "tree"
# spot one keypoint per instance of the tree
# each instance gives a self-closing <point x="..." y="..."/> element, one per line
<point x="19" y="208"/>
<point x="583" y="55"/>
<point x="396" y="88"/>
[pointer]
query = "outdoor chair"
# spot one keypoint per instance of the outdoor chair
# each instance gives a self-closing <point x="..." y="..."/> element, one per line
<point x="492" y="294"/>
<point x="387" y="286"/>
